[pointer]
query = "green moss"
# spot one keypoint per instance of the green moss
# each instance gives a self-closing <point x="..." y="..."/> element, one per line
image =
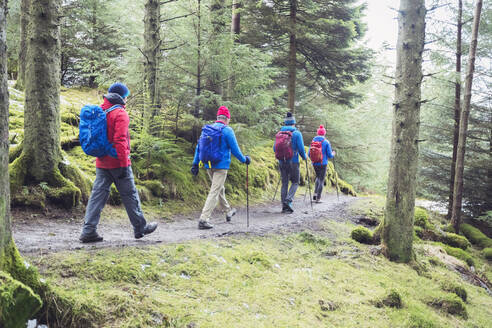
<point x="487" y="253"/>
<point x="455" y="240"/>
<point x="70" y="118"/>
<point x="18" y="302"/>
<point x="155" y="186"/>
<point x="15" y="152"/>
<point x="362" y="235"/>
<point x="459" y="254"/>
<point x="421" y="218"/>
<point x="475" y="236"/>
<point x="451" y="304"/>
<point x="309" y="238"/>
<point x="419" y="232"/>
<point x="459" y="290"/>
<point x="393" y="299"/>
<point x="114" y="196"/>
<point x="64" y="192"/>
<point x="419" y="320"/>
<point x="12" y="262"/>
<point x="59" y="190"/>
<point x="79" y="179"/>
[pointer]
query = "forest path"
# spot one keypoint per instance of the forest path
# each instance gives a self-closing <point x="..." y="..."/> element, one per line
<point x="40" y="235"/>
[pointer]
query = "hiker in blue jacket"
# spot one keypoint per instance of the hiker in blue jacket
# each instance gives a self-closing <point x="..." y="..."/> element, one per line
<point x="320" y="164"/>
<point x="218" y="171"/>
<point x="288" y="160"/>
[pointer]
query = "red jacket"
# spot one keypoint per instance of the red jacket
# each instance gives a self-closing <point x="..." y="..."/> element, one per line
<point x="118" y="121"/>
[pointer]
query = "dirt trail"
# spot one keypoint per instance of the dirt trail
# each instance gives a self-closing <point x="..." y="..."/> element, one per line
<point x="42" y="235"/>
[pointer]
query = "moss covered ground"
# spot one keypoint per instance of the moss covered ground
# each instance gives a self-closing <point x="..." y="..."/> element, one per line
<point x="302" y="279"/>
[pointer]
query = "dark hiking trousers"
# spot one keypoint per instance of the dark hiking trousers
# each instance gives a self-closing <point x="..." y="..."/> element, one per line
<point x="320" y="179"/>
<point x="100" y="194"/>
<point x="289" y="172"/>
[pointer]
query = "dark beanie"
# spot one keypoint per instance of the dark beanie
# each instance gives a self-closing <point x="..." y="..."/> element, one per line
<point x="120" y="89"/>
<point x="289" y="119"/>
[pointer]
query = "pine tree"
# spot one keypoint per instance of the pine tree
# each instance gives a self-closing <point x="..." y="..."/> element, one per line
<point x="319" y="36"/>
<point x="397" y="233"/>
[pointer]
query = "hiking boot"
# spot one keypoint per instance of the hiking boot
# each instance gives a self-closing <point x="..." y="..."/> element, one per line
<point x="90" y="238"/>
<point x="204" y="225"/>
<point x="230" y="214"/>
<point x="318" y="199"/>
<point x="288" y="208"/>
<point x="149" y="228"/>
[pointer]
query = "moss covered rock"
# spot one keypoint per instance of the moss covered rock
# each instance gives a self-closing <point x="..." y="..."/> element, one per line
<point x="155" y="186"/>
<point x="475" y="236"/>
<point x="393" y="299"/>
<point x="459" y="290"/>
<point x="18" y="302"/>
<point x="451" y="304"/>
<point x="421" y="218"/>
<point x="362" y="235"/>
<point x="455" y="240"/>
<point x="459" y="254"/>
<point x="487" y="253"/>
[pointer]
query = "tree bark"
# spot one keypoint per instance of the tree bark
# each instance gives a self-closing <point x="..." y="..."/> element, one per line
<point x="41" y="159"/>
<point x="5" y="230"/>
<point x="42" y="105"/>
<point x="196" y="113"/>
<point x="397" y="233"/>
<point x="152" y="52"/>
<point x="236" y="19"/>
<point x="465" y="112"/>
<point x="20" y="83"/>
<point x="457" y="108"/>
<point x="291" y="84"/>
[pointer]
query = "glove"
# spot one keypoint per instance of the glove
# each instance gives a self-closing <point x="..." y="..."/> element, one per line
<point x="248" y="160"/>
<point x="123" y="173"/>
<point x="194" y="169"/>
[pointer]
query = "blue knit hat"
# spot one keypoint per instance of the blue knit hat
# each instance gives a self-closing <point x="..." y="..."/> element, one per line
<point x="120" y="89"/>
<point x="289" y="119"/>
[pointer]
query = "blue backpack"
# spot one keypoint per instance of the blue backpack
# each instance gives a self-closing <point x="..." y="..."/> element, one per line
<point x="209" y="144"/>
<point x="93" y="133"/>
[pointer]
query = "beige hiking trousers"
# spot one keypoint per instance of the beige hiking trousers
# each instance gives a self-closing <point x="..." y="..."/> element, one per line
<point x="216" y="193"/>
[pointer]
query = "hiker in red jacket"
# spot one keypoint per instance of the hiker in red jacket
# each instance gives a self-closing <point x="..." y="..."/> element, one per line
<point x="319" y="152"/>
<point x="118" y="170"/>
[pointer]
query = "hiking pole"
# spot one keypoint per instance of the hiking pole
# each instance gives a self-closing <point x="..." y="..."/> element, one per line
<point x="309" y="185"/>
<point x="336" y="177"/>
<point x="247" y="195"/>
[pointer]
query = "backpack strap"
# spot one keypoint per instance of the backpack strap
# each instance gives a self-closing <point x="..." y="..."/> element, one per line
<point x="109" y="110"/>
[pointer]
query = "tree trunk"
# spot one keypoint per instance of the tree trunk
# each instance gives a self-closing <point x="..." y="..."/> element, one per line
<point x="5" y="232"/>
<point x="236" y="19"/>
<point x="152" y="54"/>
<point x="460" y="157"/>
<point x="20" y="84"/>
<point x="41" y="157"/>
<point x="457" y="109"/>
<point x="397" y="233"/>
<point x="93" y="45"/>
<point x="218" y="27"/>
<point x="198" y="91"/>
<point x="42" y="107"/>
<point x="291" y="84"/>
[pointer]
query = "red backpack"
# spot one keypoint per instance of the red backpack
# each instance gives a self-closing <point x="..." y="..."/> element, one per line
<point x="316" y="151"/>
<point x="283" y="145"/>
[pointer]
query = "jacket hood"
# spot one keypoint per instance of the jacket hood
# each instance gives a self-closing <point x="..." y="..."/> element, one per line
<point x="114" y="98"/>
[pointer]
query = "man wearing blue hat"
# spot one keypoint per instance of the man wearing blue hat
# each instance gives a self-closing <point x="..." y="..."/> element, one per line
<point x="118" y="170"/>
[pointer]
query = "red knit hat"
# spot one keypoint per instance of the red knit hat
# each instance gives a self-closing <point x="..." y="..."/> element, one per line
<point x="321" y="131"/>
<point x="223" y="110"/>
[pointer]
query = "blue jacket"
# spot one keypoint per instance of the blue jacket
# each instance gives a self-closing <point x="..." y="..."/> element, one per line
<point x="228" y="144"/>
<point x="297" y="144"/>
<point x="326" y="150"/>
